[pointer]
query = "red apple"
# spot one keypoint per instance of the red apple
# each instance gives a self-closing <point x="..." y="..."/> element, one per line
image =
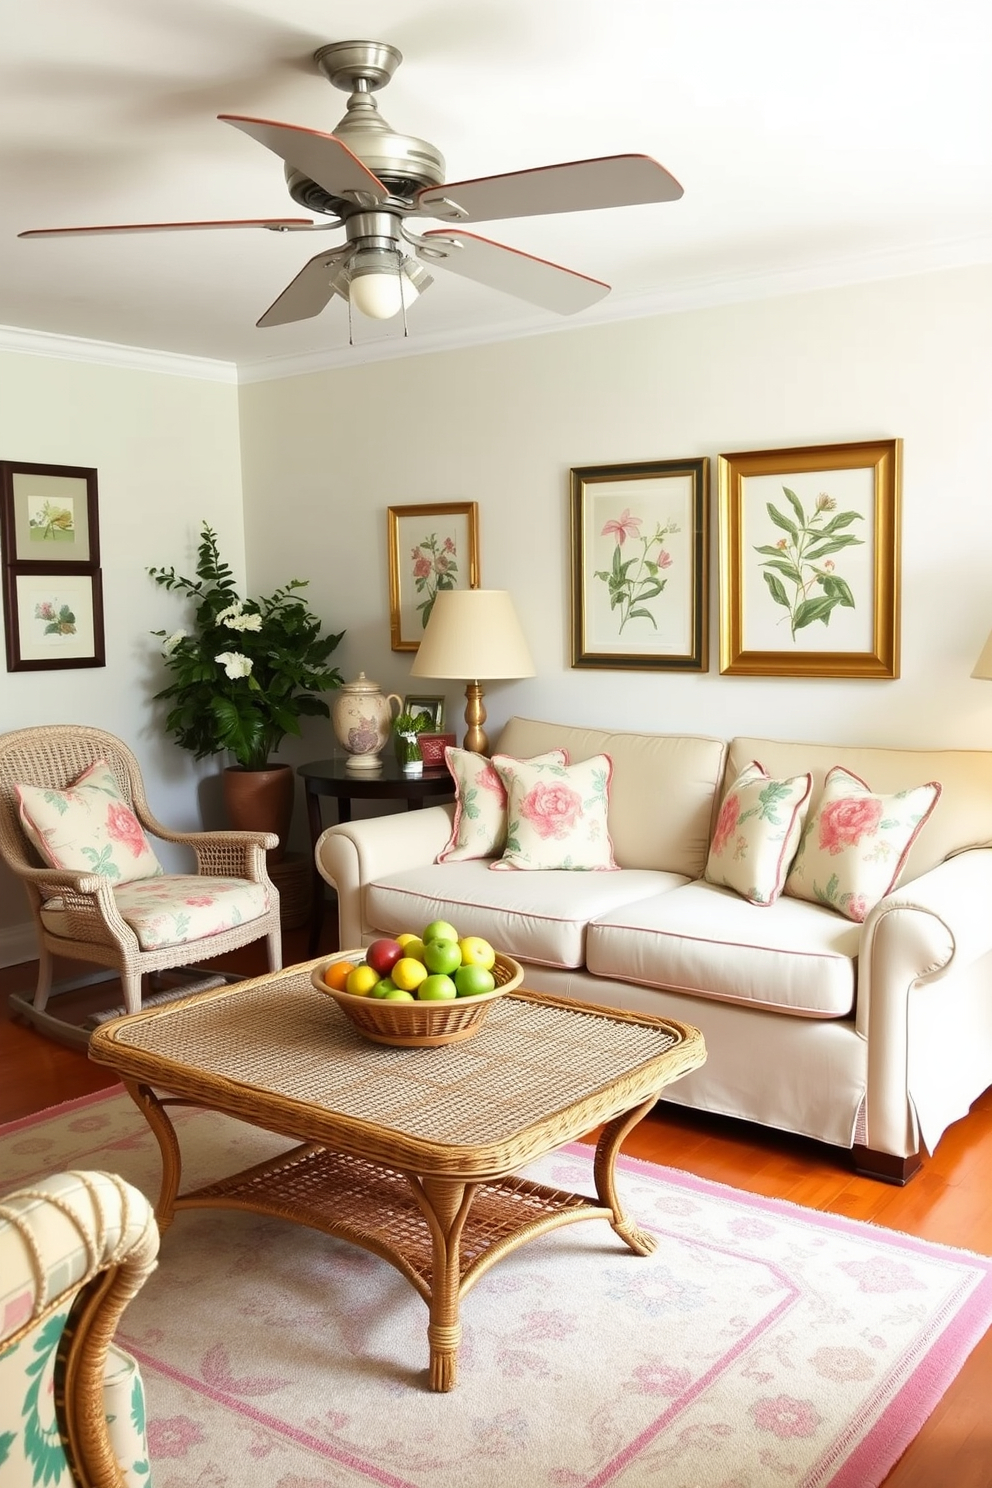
<point x="382" y="955"/>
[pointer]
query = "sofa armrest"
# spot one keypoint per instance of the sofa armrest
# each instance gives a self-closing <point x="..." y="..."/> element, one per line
<point x="922" y="931"/>
<point x="353" y="854"/>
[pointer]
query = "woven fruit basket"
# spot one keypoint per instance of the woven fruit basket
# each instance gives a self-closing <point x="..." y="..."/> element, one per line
<point x="419" y="1025"/>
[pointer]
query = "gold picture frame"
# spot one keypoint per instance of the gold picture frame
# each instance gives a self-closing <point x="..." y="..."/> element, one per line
<point x="809" y="560"/>
<point x="640" y="540"/>
<point x="431" y="547"/>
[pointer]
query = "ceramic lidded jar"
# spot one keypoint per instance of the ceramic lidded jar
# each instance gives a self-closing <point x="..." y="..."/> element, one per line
<point x="362" y="717"/>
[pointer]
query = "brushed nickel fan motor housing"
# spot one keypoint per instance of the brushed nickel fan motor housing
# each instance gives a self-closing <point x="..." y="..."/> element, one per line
<point x="403" y="163"/>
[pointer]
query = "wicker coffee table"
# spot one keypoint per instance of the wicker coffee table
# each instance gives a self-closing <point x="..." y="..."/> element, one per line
<point x="410" y="1153"/>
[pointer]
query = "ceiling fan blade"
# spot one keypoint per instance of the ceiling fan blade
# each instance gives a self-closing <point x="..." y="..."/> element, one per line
<point x="274" y="224"/>
<point x="307" y="294"/>
<point x="494" y="264"/>
<point x="575" y="186"/>
<point x="323" y="157"/>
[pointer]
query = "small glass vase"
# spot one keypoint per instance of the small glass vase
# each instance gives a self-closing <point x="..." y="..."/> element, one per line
<point x="408" y="754"/>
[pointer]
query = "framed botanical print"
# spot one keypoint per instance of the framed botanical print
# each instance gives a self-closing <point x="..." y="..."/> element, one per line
<point x="639" y="565"/>
<point x="431" y="548"/>
<point x="809" y="561"/>
<point x="54" y="620"/>
<point x="48" y="514"/>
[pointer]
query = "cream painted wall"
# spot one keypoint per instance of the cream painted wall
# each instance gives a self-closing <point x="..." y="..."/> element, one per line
<point x="324" y="455"/>
<point x="166" y="452"/>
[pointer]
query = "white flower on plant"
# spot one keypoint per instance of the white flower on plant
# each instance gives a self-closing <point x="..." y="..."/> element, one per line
<point x="226" y="616"/>
<point x="234" y="664"/>
<point x="169" y="645"/>
<point x="244" y="622"/>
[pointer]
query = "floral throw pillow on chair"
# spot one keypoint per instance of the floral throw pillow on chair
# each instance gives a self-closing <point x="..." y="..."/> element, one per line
<point x="757" y="833"/>
<point x="556" y="814"/>
<point x="856" y="843"/>
<point x="88" y="828"/>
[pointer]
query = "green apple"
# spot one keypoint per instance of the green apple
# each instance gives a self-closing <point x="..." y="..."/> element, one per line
<point x="442" y="955"/>
<point x="398" y="995"/>
<point x="472" y="981"/>
<point x="437" y="988"/>
<point x="438" y="930"/>
<point x="476" y="952"/>
<point x="383" y="987"/>
<point x="413" y="947"/>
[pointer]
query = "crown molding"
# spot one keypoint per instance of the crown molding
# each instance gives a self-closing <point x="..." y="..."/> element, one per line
<point x="702" y="293"/>
<point x="108" y="354"/>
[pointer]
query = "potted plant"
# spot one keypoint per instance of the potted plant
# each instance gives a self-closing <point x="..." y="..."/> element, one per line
<point x="242" y="679"/>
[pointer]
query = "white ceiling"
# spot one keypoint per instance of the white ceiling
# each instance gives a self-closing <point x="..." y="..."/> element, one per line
<point x="817" y="144"/>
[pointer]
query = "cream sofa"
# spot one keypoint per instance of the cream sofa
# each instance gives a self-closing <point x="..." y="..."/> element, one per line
<point x="871" y="1037"/>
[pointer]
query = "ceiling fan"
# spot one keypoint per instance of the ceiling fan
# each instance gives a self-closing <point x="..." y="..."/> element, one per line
<point x="371" y="181"/>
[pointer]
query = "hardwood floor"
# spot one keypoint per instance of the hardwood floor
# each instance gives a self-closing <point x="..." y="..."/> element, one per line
<point x="949" y="1201"/>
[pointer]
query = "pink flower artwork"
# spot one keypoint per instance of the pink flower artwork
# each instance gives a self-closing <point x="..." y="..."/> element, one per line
<point x="785" y="1417"/>
<point x="123" y="827"/>
<point x="552" y="810"/>
<point x="726" y="822"/>
<point x="844" y="823"/>
<point x="623" y="526"/>
<point x="173" y="1436"/>
<point x="487" y="779"/>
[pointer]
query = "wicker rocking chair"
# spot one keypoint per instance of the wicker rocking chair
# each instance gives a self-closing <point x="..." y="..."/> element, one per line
<point x="81" y="915"/>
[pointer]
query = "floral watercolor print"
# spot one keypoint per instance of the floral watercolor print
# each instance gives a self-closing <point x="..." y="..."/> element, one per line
<point x="809" y="563"/>
<point x="638" y="566"/>
<point x="434" y="563"/>
<point x="56" y="619"/>
<point x="52" y="521"/>
<point x="55" y="616"/>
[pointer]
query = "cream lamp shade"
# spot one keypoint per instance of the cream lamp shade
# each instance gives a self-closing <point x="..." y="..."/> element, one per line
<point x="983" y="666"/>
<point x="473" y="635"/>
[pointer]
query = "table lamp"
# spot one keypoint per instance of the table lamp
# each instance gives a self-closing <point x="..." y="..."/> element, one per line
<point x="983" y="666"/>
<point x="473" y="635"/>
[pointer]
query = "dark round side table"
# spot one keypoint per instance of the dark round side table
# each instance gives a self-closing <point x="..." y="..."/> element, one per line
<point x="331" y="777"/>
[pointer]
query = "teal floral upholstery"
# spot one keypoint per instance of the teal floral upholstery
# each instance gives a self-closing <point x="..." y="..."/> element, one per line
<point x="74" y="1250"/>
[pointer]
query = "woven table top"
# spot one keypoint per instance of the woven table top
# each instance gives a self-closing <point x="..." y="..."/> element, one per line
<point x="272" y="1050"/>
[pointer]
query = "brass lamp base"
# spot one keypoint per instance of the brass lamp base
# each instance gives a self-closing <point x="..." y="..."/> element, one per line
<point x="475" y="716"/>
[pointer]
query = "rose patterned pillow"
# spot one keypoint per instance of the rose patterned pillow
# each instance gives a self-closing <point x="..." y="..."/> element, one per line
<point x="556" y="813"/>
<point x="856" y="842"/>
<point x="757" y="833"/>
<point x="88" y="828"/>
<point x="479" y="826"/>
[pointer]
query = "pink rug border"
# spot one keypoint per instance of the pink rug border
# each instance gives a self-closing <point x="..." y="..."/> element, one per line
<point x="906" y="1413"/>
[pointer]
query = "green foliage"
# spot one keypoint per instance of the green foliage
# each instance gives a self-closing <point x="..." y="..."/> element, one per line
<point x="249" y="670"/>
<point x="803" y="559"/>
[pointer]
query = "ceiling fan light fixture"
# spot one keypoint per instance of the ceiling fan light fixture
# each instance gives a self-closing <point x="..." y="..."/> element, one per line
<point x="382" y="281"/>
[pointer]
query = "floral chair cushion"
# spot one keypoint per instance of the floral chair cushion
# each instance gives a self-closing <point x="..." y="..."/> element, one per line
<point x="556" y="814"/>
<point x="88" y="828"/>
<point x="479" y="826"/>
<point x="856" y="842"/>
<point x="175" y="908"/>
<point x="757" y="833"/>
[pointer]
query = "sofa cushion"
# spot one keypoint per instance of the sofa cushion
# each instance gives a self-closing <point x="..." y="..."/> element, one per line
<point x="176" y="908"/>
<point x="790" y="956"/>
<point x="757" y="832"/>
<point x="87" y="828"/>
<point x="539" y="916"/>
<point x="856" y="842"/>
<point x="479" y="826"/>
<point x="961" y="819"/>
<point x="662" y="794"/>
<point x="556" y="815"/>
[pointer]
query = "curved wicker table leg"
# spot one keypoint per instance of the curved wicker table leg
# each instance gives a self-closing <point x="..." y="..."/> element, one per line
<point x="157" y="1117"/>
<point x="607" y="1148"/>
<point x="445" y="1204"/>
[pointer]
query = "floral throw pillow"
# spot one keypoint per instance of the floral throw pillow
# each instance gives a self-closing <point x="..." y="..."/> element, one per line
<point x="88" y="828"/>
<point x="556" y="814"/>
<point x="479" y="826"/>
<point x="856" y="842"/>
<point x="757" y="833"/>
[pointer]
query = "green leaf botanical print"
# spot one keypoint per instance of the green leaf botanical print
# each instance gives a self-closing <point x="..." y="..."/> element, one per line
<point x="42" y="1444"/>
<point x="435" y="567"/>
<point x="103" y="862"/>
<point x="634" y="582"/>
<point x="7" y="1440"/>
<point x="799" y="569"/>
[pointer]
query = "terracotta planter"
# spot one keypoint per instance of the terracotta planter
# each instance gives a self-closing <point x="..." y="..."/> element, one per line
<point x="260" y="801"/>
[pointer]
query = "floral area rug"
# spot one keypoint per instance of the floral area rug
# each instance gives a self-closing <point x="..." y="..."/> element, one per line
<point x="760" y="1344"/>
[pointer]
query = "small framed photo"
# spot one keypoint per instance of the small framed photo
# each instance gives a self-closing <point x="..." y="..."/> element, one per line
<point x="639" y="565"/>
<point x="809" y="561"/>
<point x="431" y="548"/>
<point x="48" y="515"/>
<point x="432" y="706"/>
<point x="54" y="620"/>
